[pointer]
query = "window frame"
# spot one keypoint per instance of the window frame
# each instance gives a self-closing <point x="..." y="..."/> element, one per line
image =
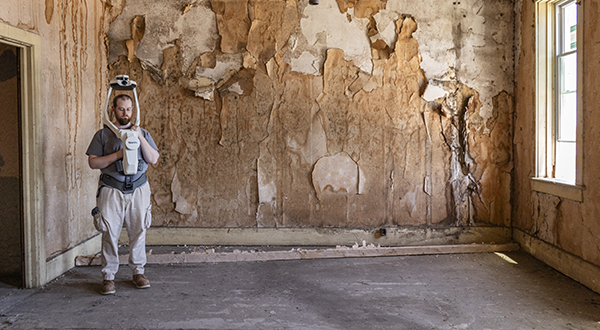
<point x="546" y="102"/>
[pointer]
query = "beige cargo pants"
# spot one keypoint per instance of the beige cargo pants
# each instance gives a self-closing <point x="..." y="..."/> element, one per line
<point x="118" y="209"/>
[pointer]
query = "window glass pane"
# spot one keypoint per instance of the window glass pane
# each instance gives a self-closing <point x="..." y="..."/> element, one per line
<point x="567" y="98"/>
<point x="567" y="72"/>
<point x="569" y="27"/>
<point x="567" y="118"/>
<point x="565" y="161"/>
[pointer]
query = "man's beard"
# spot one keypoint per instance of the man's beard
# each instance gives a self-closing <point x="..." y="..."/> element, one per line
<point x="123" y="121"/>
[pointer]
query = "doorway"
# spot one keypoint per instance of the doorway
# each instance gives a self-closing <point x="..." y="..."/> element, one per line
<point x="11" y="210"/>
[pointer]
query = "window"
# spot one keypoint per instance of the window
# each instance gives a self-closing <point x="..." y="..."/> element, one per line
<point x="558" y="98"/>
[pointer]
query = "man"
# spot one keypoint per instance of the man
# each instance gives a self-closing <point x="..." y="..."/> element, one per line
<point x="122" y="199"/>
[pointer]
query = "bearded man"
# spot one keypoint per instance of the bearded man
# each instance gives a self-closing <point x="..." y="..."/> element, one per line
<point x="122" y="199"/>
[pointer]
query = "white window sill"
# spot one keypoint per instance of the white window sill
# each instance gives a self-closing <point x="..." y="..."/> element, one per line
<point x="557" y="188"/>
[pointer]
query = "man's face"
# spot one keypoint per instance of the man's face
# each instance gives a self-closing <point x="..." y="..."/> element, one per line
<point x="123" y="111"/>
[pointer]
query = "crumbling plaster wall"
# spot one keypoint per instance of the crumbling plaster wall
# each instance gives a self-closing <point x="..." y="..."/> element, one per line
<point x="352" y="113"/>
<point x="569" y="225"/>
<point x="72" y="55"/>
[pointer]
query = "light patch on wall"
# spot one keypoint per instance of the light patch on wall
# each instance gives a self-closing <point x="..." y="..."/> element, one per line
<point x="318" y="24"/>
<point x="410" y="201"/>
<point x="386" y="25"/>
<point x="267" y="189"/>
<point x="236" y="88"/>
<point x="433" y="92"/>
<point x="181" y="204"/>
<point x="315" y="146"/>
<point x="165" y="23"/>
<point x="337" y="174"/>
<point x="224" y="64"/>
<point x="208" y="79"/>
<point x="307" y="63"/>
<point x="465" y="41"/>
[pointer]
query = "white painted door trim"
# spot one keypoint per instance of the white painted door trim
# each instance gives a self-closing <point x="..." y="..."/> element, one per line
<point x="34" y="232"/>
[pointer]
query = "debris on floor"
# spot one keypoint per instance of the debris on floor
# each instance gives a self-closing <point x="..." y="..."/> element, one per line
<point x="201" y="255"/>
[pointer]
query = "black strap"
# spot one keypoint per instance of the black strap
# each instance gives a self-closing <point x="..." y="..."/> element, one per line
<point x="126" y="187"/>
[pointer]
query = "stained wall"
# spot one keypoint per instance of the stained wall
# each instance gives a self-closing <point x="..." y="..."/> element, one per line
<point x="72" y="81"/>
<point x="347" y="114"/>
<point x="280" y="114"/>
<point x="568" y="225"/>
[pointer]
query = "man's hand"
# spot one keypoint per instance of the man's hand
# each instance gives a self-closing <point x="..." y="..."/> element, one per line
<point x="98" y="163"/>
<point x="150" y="154"/>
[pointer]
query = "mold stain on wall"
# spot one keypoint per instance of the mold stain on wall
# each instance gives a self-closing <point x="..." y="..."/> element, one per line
<point x="269" y="117"/>
<point x="73" y="34"/>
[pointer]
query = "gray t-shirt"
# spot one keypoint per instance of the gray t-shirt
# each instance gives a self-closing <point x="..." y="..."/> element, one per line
<point x="105" y="142"/>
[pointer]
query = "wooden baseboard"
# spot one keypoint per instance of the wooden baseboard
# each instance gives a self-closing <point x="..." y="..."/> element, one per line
<point x="572" y="266"/>
<point x="300" y="254"/>
<point x="63" y="262"/>
<point x="325" y="236"/>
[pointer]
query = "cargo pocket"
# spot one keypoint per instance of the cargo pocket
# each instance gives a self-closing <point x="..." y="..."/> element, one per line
<point x="98" y="220"/>
<point x="148" y="218"/>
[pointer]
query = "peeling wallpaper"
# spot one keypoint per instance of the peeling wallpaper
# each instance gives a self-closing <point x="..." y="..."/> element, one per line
<point x="352" y="113"/>
<point x="347" y="114"/>
<point x="71" y="83"/>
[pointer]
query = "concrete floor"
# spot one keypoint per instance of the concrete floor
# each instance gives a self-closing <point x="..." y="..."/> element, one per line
<point x="469" y="291"/>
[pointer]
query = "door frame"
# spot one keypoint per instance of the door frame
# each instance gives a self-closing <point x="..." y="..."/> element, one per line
<point x="34" y="231"/>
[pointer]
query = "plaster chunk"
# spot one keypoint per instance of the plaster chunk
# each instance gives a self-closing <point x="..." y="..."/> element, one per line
<point x="165" y="23"/>
<point x="138" y="26"/>
<point x="359" y="83"/>
<point x="236" y="88"/>
<point x="337" y="174"/>
<point x="433" y="92"/>
<point x="233" y="24"/>
<point x="272" y="24"/>
<point x="225" y="63"/>
<point x="208" y="79"/>
<point x="386" y="25"/>
<point x="307" y="63"/>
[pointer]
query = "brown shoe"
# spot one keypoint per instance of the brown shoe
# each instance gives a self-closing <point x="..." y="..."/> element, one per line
<point x="108" y="287"/>
<point x="140" y="281"/>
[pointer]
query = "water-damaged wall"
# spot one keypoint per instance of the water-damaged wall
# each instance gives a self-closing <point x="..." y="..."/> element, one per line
<point x="566" y="224"/>
<point x="73" y="77"/>
<point x="352" y="113"/>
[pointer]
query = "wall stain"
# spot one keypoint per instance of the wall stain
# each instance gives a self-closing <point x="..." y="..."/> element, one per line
<point x="49" y="10"/>
<point x="73" y="26"/>
<point x="379" y="119"/>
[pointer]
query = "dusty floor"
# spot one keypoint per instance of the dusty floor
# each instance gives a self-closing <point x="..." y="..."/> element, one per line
<point x="470" y="291"/>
